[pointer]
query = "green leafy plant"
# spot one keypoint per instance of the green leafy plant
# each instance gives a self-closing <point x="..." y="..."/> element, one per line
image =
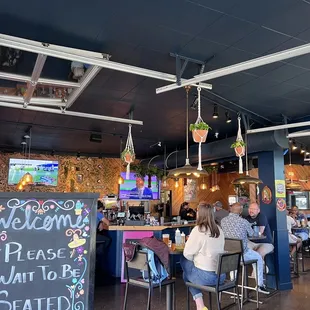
<point x="238" y="144"/>
<point x="199" y="126"/>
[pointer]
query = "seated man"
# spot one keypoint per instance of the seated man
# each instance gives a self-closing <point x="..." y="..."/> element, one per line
<point x="256" y="218"/>
<point x="236" y="227"/>
<point x="187" y="213"/>
<point x="220" y="213"/>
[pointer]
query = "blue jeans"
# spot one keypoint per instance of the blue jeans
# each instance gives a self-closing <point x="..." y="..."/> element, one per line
<point x="198" y="276"/>
<point x="249" y="255"/>
<point x="302" y="235"/>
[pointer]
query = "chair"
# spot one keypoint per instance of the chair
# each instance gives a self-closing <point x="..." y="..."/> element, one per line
<point x="274" y="274"/>
<point x="236" y="246"/>
<point x="227" y="262"/>
<point x="138" y="264"/>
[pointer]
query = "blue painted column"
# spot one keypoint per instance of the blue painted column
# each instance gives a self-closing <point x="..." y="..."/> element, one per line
<point x="271" y="168"/>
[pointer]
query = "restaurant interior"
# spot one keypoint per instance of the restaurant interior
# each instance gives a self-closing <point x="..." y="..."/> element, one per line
<point x="151" y="104"/>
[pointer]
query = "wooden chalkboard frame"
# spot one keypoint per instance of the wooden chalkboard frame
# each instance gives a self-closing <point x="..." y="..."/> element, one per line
<point x="93" y="217"/>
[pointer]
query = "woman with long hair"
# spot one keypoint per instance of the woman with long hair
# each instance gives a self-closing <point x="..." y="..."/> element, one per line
<point x="201" y="252"/>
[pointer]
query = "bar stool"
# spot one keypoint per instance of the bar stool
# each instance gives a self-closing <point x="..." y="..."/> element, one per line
<point x="235" y="246"/>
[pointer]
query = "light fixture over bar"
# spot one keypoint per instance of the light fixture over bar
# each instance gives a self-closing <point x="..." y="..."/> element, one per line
<point x="72" y="113"/>
<point x="243" y="66"/>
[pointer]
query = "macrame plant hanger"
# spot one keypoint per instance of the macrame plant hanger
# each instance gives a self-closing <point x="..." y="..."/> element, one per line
<point x="128" y="154"/>
<point x="240" y="150"/>
<point x="199" y="136"/>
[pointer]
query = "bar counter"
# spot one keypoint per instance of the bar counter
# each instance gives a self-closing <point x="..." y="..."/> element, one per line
<point x="123" y="234"/>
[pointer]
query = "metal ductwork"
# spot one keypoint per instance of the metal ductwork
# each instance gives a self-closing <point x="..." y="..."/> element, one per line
<point x="260" y="142"/>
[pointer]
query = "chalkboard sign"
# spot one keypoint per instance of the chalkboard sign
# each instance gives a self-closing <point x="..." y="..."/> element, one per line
<point x="47" y="251"/>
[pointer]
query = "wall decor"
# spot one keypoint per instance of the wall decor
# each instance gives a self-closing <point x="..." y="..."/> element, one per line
<point x="266" y="195"/>
<point x="281" y="204"/>
<point x="190" y="190"/>
<point x="280" y="188"/>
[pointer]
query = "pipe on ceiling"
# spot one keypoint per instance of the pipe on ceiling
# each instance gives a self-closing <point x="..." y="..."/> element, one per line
<point x="220" y="150"/>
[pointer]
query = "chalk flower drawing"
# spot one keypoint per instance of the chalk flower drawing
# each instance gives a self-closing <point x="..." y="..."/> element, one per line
<point x="3" y="236"/>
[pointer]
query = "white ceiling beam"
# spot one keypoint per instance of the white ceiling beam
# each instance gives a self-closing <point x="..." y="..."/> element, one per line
<point x="298" y="134"/>
<point x="37" y="70"/>
<point x="278" y="127"/>
<point x="243" y="66"/>
<point x="82" y="56"/>
<point x="71" y="113"/>
<point x="43" y="81"/>
<point x="88" y="76"/>
<point x="34" y="100"/>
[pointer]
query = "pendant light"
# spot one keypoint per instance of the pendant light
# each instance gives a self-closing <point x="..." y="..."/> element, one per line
<point x="247" y="179"/>
<point x="203" y="185"/>
<point x="291" y="185"/>
<point x="187" y="171"/>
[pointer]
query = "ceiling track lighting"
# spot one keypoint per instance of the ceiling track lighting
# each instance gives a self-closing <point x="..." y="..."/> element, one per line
<point x="302" y="150"/>
<point x="228" y="118"/>
<point x="294" y="146"/>
<point x="215" y="112"/>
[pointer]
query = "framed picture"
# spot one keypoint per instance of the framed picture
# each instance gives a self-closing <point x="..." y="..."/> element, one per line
<point x="190" y="190"/>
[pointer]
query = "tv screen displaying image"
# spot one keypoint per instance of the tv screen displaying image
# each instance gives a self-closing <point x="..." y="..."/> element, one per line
<point x="44" y="172"/>
<point x="137" y="188"/>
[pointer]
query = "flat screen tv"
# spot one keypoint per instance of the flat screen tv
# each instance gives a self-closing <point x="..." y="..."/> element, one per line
<point x="44" y="172"/>
<point x="137" y="188"/>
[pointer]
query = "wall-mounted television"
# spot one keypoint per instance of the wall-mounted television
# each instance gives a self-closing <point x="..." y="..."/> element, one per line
<point x="137" y="188"/>
<point x="44" y="172"/>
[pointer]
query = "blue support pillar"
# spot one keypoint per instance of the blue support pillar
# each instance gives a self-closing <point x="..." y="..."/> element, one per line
<point x="271" y="168"/>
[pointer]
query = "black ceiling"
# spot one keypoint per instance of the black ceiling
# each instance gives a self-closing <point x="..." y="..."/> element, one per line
<point x="144" y="33"/>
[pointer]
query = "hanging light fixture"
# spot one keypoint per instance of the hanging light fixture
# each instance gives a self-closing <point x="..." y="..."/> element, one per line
<point x="302" y="150"/>
<point x="215" y="112"/>
<point x="228" y="118"/>
<point x="176" y="184"/>
<point x="187" y="171"/>
<point x="294" y="146"/>
<point x="247" y="179"/>
<point x="27" y="178"/>
<point x="203" y="185"/>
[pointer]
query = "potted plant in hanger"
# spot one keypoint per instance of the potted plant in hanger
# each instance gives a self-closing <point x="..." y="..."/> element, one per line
<point x="239" y="147"/>
<point x="128" y="156"/>
<point x="199" y="131"/>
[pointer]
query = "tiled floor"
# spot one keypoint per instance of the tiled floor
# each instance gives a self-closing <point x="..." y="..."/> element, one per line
<point x="110" y="296"/>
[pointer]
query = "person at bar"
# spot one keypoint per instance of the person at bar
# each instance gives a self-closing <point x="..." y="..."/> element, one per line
<point x="292" y="239"/>
<point x="102" y="225"/>
<point x="200" y="256"/>
<point x="186" y="212"/>
<point x="303" y="234"/>
<point x="220" y="213"/>
<point x="237" y="227"/>
<point x="257" y="218"/>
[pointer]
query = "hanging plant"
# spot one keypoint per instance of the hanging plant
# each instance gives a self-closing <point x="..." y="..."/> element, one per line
<point x="128" y="155"/>
<point x="200" y="131"/>
<point x="239" y="146"/>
